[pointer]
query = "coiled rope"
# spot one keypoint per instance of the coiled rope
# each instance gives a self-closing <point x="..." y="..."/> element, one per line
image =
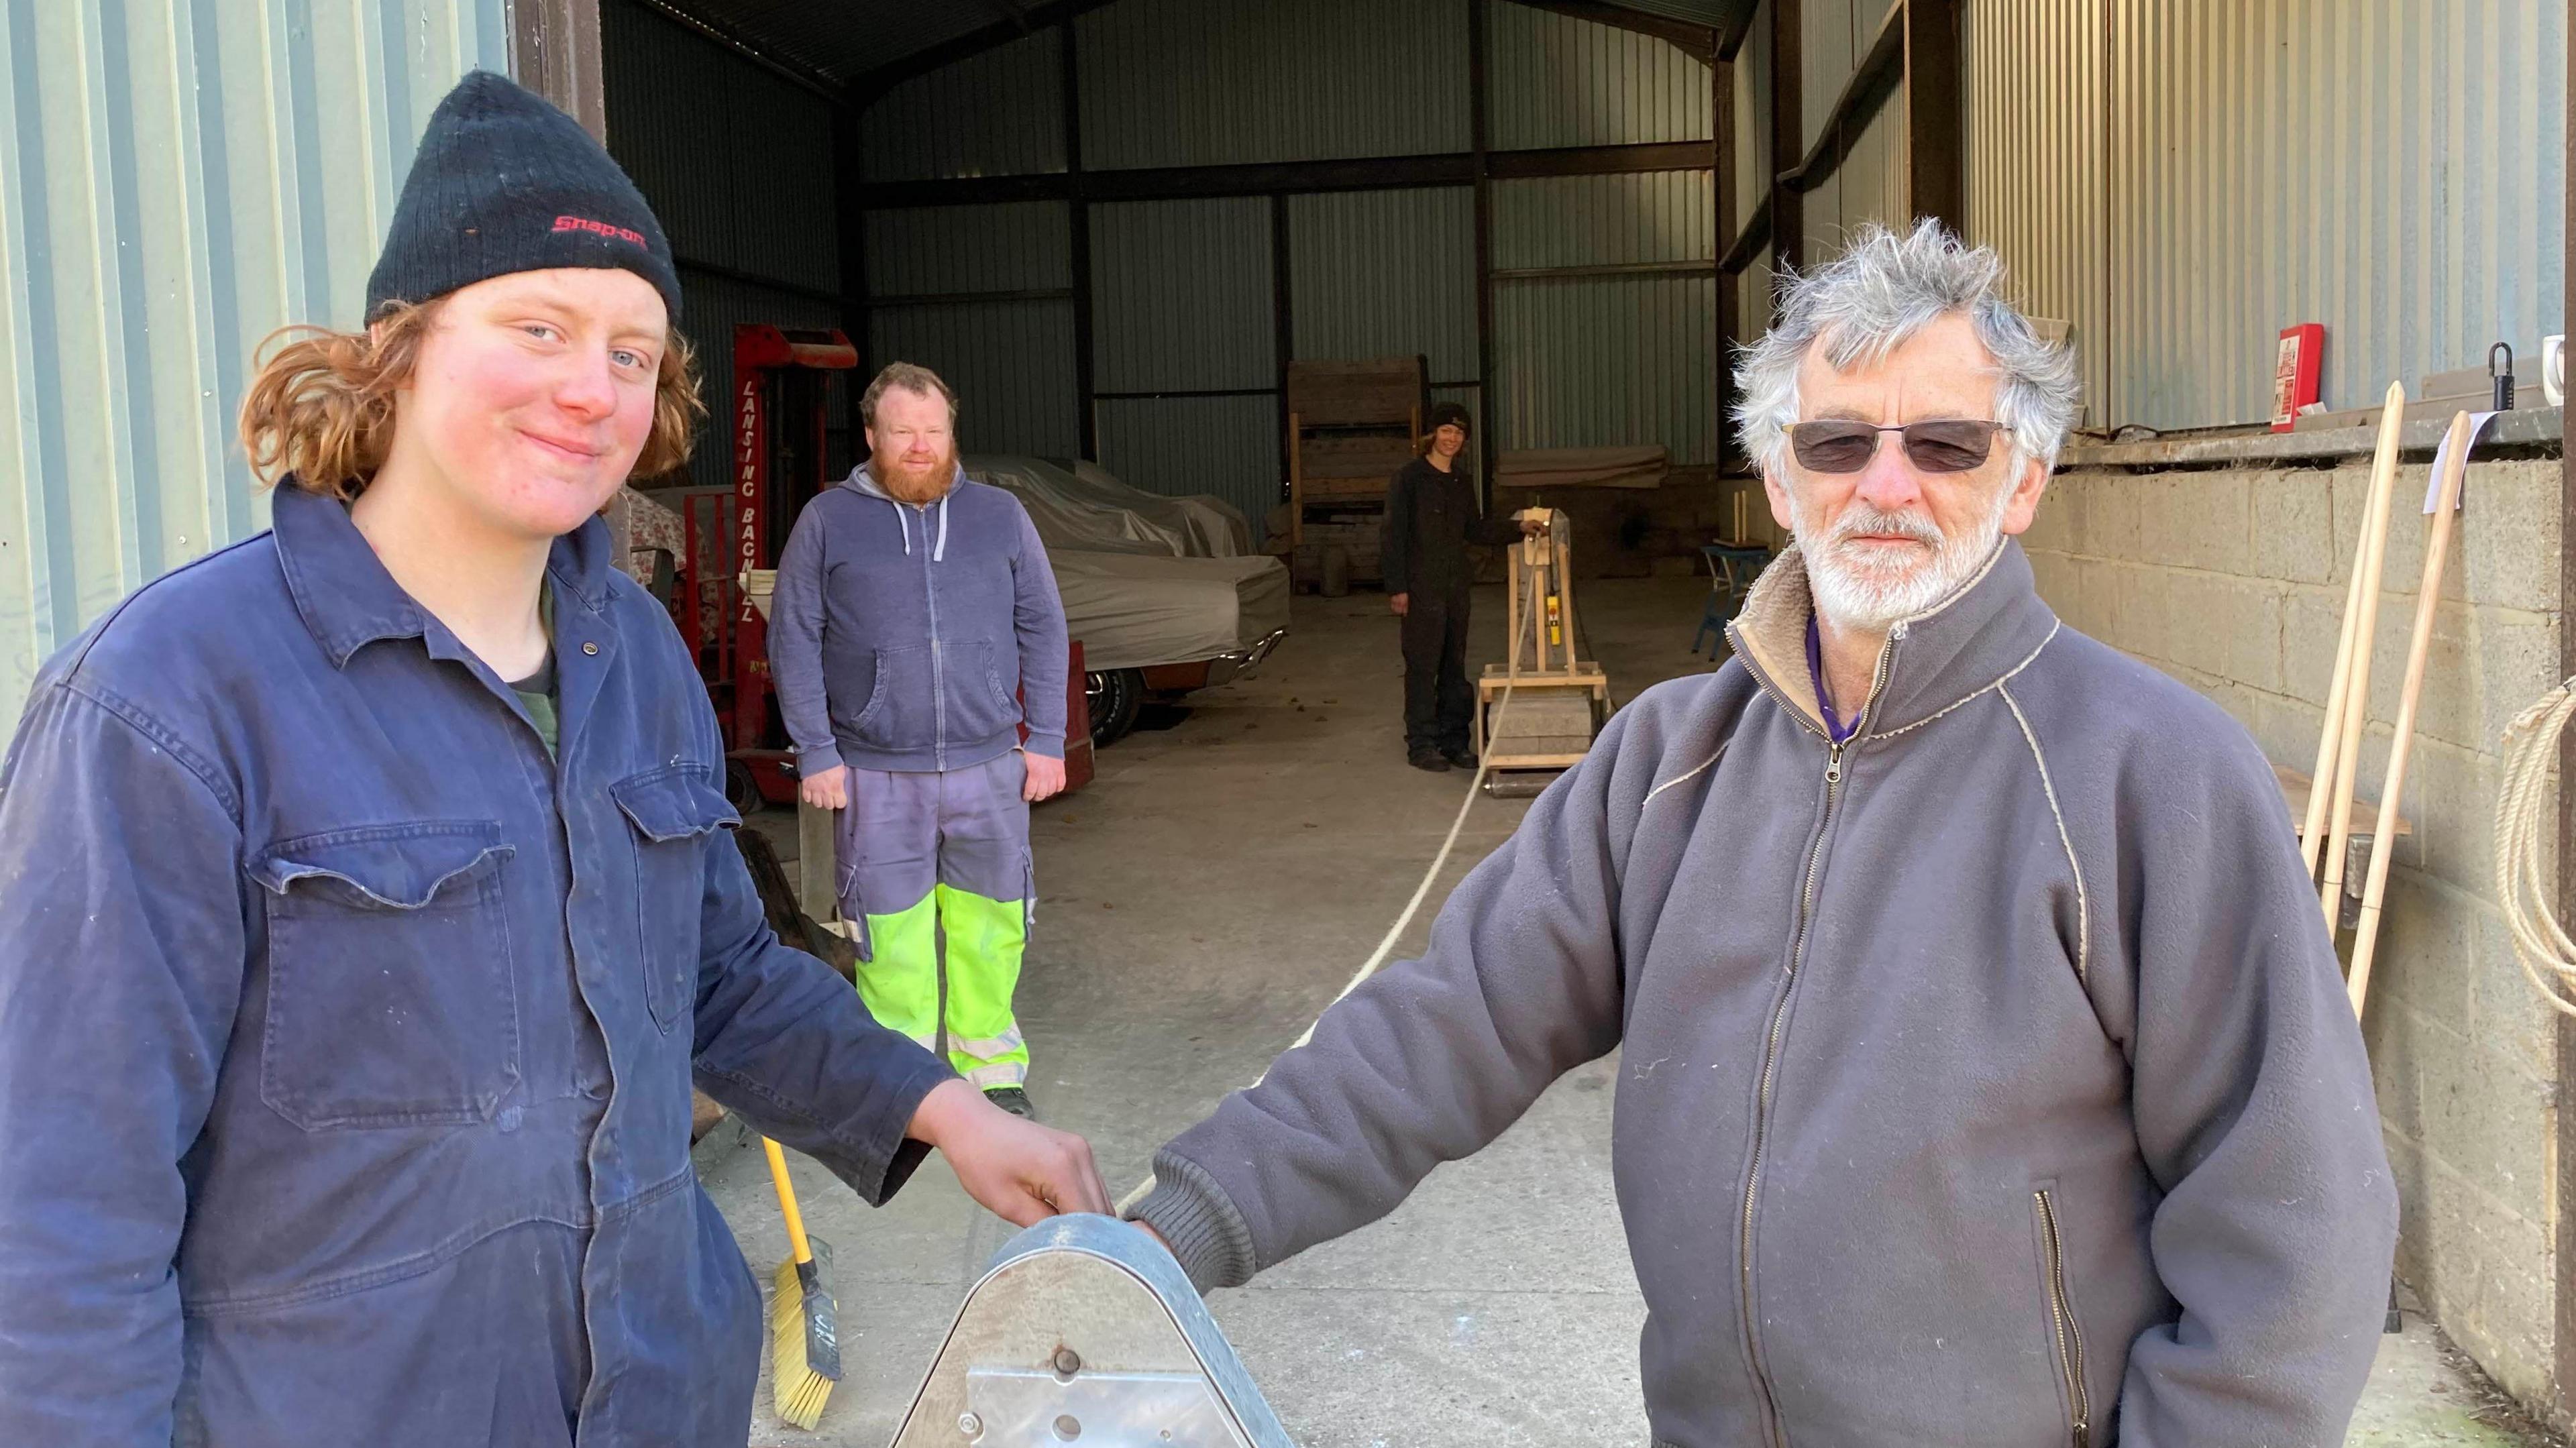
<point x="2524" y="831"/>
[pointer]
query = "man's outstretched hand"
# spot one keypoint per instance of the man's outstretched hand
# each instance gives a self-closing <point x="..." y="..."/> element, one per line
<point x="1024" y="1172"/>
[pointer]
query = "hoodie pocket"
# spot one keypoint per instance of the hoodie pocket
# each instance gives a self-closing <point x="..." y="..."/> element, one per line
<point x="899" y="708"/>
<point x="977" y="705"/>
<point x="2066" y="1332"/>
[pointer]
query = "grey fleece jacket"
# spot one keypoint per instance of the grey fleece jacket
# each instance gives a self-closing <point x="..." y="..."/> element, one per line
<point x="1987" y="1079"/>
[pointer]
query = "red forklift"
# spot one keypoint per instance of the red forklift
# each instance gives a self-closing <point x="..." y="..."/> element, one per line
<point x="785" y="385"/>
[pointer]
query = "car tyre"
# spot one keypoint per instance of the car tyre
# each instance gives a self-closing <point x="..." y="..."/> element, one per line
<point x="1115" y="696"/>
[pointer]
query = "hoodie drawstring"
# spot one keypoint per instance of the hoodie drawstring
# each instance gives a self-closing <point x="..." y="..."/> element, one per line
<point x="939" y="552"/>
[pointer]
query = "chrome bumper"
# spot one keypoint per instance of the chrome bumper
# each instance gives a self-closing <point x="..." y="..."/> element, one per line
<point x="1242" y="663"/>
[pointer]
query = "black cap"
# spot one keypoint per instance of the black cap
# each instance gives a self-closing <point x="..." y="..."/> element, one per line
<point x="1448" y="412"/>
<point x="504" y="182"/>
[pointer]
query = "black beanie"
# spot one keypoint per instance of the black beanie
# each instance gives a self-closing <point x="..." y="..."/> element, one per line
<point x="504" y="182"/>
<point x="1447" y="412"/>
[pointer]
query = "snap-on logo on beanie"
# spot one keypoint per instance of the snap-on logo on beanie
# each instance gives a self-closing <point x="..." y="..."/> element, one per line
<point x="602" y="228"/>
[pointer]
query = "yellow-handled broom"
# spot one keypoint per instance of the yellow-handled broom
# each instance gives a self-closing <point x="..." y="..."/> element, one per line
<point x="804" y="1336"/>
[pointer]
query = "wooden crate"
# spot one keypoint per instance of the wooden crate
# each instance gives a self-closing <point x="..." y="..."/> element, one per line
<point x="1377" y="390"/>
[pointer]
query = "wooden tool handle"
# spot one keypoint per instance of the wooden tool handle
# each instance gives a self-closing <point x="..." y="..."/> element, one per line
<point x="787" y="1202"/>
<point x="2428" y="598"/>
<point x="2321" y="780"/>
<point x="2374" y="553"/>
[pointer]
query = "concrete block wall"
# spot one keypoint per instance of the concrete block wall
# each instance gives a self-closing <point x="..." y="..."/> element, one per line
<point x="2233" y="580"/>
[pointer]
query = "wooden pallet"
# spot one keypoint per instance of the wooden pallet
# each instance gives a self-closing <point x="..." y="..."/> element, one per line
<point x="1549" y="721"/>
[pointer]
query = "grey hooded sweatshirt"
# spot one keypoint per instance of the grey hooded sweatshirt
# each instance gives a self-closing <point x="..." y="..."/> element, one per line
<point x="1987" y="1079"/>
<point x="917" y="637"/>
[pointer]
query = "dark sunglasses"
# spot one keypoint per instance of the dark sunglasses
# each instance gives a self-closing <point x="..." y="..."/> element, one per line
<point x="1944" y="445"/>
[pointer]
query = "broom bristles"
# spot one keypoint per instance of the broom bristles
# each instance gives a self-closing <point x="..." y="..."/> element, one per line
<point x="797" y="1391"/>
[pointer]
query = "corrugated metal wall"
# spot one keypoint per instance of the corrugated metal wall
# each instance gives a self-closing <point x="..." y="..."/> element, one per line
<point x="1553" y="80"/>
<point x="1011" y="362"/>
<point x="2038" y="174"/>
<point x="2390" y="168"/>
<point x="1182" y="301"/>
<point x="1188" y="83"/>
<point x="737" y="162"/>
<point x="1385" y="274"/>
<point x="998" y="114"/>
<point x="1870" y="185"/>
<point x="176" y="180"/>
<point x="1592" y="360"/>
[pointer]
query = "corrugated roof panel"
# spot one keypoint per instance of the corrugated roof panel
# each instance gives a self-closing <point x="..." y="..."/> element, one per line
<point x="1644" y="216"/>
<point x="1181" y="295"/>
<point x="996" y="114"/>
<point x="176" y="181"/>
<point x="740" y="172"/>
<point x="1385" y="274"/>
<point x="1188" y="83"/>
<point x="1553" y="80"/>
<point x="940" y="250"/>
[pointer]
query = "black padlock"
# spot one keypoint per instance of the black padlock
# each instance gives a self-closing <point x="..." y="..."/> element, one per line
<point x="2503" y="376"/>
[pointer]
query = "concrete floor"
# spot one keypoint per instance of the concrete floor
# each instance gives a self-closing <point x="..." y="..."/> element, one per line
<point x="1200" y="901"/>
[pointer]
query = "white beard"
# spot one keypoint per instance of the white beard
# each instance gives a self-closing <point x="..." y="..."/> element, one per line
<point x="1858" y="588"/>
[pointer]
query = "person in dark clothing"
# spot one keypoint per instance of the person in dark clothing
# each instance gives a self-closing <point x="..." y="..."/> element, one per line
<point x="1431" y="517"/>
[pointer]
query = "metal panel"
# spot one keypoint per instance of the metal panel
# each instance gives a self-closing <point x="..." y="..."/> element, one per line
<point x="1181" y="295"/>
<point x="1385" y="274"/>
<point x="1188" y="83"/>
<point x="2407" y="194"/>
<point x="1827" y="51"/>
<point x="1224" y="446"/>
<point x="1603" y="361"/>
<point x="996" y="114"/>
<point x="178" y="178"/>
<point x="736" y="160"/>
<point x="1553" y="80"/>
<point x="2035" y="88"/>
<point x="1753" y="117"/>
<point x="1010" y="363"/>
<point x="1641" y="217"/>
<point x="2404" y="193"/>
<point x="936" y="250"/>
<point x="1875" y="184"/>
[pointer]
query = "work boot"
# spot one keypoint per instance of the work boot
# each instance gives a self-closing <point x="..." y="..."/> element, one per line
<point x="1013" y="1100"/>
<point x="1461" y="756"/>
<point x="1428" y="760"/>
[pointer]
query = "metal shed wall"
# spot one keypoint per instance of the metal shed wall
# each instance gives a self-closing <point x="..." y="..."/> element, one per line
<point x="2390" y="168"/>
<point x="1553" y="80"/>
<point x="1596" y="360"/>
<point x="997" y="114"/>
<point x="1011" y="361"/>
<point x="178" y="178"/>
<point x="1385" y="274"/>
<point x="1188" y="83"/>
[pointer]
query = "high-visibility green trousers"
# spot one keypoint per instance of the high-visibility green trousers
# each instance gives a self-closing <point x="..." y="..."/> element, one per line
<point x="942" y="857"/>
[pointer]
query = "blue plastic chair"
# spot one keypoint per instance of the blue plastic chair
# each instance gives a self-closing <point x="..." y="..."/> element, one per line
<point x="1732" y="567"/>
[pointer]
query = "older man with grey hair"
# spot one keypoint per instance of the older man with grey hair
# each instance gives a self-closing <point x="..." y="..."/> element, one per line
<point x="1987" y="1077"/>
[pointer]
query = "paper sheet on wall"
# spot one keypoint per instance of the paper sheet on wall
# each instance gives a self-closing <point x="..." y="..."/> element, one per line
<point x="2433" y="491"/>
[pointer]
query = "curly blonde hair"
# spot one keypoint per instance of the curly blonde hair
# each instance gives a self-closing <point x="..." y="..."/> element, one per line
<point x="321" y="409"/>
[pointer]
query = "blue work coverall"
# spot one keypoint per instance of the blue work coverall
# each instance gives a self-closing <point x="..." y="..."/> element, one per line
<point x="346" y="1034"/>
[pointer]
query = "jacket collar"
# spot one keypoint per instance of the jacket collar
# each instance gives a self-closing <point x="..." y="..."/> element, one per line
<point x="1982" y="634"/>
<point x="348" y="600"/>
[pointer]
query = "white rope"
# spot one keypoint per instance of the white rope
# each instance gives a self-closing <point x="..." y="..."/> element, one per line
<point x="1395" y="932"/>
<point x="2523" y="833"/>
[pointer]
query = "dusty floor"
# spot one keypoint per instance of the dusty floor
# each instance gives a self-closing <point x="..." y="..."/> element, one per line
<point x="1199" y="902"/>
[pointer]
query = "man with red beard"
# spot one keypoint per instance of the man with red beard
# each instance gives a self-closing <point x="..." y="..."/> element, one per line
<point x="1987" y="1073"/>
<point x="914" y="612"/>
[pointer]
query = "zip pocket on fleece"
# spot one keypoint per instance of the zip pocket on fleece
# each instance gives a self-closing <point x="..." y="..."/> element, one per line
<point x="2069" y="1333"/>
